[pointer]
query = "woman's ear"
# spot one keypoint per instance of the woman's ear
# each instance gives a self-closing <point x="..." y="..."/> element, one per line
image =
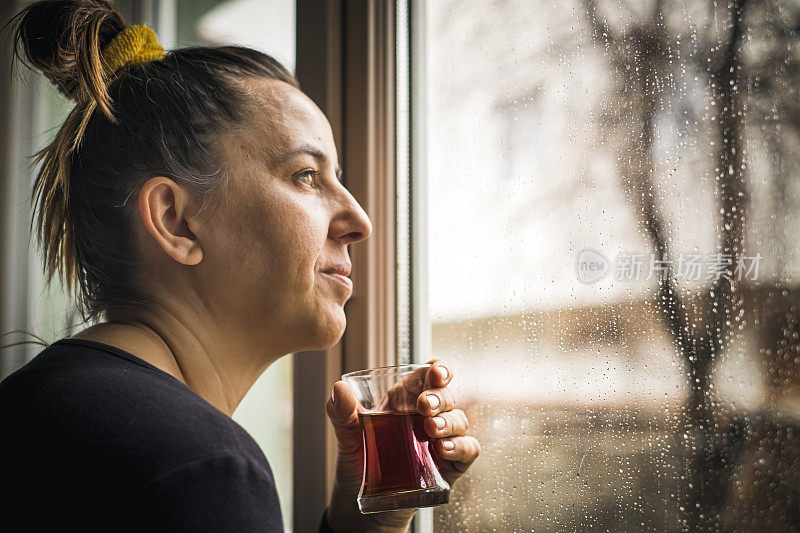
<point x="165" y="209"/>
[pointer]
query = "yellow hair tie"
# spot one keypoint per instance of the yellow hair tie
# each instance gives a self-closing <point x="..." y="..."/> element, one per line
<point x="134" y="44"/>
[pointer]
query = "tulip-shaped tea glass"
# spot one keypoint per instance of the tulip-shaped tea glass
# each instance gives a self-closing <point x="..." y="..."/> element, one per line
<point x="399" y="472"/>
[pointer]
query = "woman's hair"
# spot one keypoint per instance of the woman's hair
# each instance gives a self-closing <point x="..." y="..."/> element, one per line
<point x="158" y="118"/>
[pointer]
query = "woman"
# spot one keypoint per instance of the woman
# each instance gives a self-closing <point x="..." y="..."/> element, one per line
<point x="195" y="201"/>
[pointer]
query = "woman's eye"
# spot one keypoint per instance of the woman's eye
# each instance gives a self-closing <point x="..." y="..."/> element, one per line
<point x="309" y="175"/>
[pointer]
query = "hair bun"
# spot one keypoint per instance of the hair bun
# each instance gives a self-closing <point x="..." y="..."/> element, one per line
<point x="64" y="39"/>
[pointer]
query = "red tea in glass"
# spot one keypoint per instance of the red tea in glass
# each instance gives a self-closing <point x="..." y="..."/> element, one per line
<point x="399" y="470"/>
<point x="398" y="461"/>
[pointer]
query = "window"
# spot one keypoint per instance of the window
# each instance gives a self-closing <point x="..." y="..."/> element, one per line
<point x="595" y="223"/>
<point x="34" y="109"/>
<point x="604" y="223"/>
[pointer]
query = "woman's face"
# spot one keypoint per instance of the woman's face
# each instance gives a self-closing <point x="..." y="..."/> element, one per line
<point x="282" y="219"/>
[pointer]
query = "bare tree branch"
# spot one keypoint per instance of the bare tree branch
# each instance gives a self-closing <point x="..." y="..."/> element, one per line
<point x="600" y="30"/>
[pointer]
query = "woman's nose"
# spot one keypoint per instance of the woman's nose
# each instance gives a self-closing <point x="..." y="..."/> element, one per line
<point x="351" y="223"/>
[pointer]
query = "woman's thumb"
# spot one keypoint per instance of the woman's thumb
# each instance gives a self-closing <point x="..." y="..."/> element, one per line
<point x="341" y="405"/>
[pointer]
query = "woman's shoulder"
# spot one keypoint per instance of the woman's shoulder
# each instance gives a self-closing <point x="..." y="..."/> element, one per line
<point x="91" y="377"/>
<point x="70" y="359"/>
<point x="99" y="425"/>
<point x="107" y="402"/>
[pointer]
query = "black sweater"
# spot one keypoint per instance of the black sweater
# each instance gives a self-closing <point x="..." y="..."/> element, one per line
<point x="94" y="438"/>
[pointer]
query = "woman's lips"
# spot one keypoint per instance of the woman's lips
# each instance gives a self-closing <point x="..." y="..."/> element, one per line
<point x="347" y="282"/>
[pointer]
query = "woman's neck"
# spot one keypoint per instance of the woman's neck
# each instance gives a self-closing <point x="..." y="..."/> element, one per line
<point x="220" y="368"/>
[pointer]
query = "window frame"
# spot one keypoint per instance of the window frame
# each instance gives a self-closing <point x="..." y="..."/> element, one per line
<point x="346" y="64"/>
<point x="420" y="341"/>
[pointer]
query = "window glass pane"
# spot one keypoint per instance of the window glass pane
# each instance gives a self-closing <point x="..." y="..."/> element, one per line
<point x="35" y="313"/>
<point x="51" y="314"/>
<point x="269" y="26"/>
<point x="612" y="243"/>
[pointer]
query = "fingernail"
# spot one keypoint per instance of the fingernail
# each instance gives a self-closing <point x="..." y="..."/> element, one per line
<point x="443" y="372"/>
<point x="448" y="444"/>
<point x="333" y="400"/>
<point x="440" y="423"/>
<point x="433" y="401"/>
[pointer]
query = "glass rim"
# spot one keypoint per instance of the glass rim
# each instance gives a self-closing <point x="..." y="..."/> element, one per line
<point x="369" y="373"/>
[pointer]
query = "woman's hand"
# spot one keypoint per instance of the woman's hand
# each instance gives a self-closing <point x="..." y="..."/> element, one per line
<point x="436" y="403"/>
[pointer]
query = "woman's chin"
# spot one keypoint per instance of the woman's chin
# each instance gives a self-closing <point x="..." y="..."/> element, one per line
<point x="328" y="333"/>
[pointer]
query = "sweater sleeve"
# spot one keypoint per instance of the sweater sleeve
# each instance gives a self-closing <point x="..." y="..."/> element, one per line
<point x="225" y="492"/>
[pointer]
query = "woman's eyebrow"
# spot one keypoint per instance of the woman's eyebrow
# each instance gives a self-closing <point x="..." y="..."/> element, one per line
<point x="309" y="149"/>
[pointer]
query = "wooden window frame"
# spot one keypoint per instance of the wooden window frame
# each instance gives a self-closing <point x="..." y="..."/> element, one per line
<point x="345" y="63"/>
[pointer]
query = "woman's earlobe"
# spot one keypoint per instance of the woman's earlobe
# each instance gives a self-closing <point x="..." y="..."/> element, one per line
<point x="194" y="255"/>
<point x="165" y="210"/>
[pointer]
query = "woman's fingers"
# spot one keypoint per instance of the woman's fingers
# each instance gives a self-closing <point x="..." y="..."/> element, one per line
<point x="460" y="450"/>
<point x="435" y="401"/>
<point x="447" y="424"/>
<point x="400" y="399"/>
<point x="402" y="396"/>
<point x="439" y="374"/>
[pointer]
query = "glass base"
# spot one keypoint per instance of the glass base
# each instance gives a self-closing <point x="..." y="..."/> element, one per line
<point x="407" y="499"/>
